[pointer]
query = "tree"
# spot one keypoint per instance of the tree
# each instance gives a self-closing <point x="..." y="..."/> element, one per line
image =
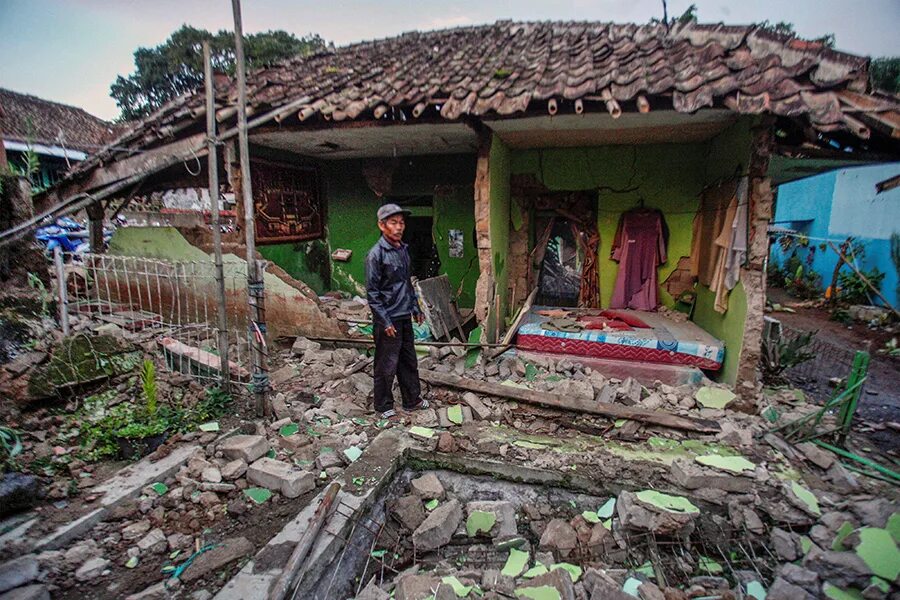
<point x="176" y="66"/>
<point x="884" y="74"/>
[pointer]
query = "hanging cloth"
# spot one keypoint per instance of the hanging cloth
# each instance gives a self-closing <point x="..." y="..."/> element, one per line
<point x="639" y="247"/>
<point x="712" y="214"/>
<point x="730" y="247"/>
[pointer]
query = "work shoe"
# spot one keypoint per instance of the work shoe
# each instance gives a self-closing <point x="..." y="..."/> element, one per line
<point x="389" y="414"/>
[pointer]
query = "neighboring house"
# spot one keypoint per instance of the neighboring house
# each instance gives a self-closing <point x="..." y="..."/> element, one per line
<point x="60" y="135"/>
<point x="494" y="135"/>
<point x="862" y="202"/>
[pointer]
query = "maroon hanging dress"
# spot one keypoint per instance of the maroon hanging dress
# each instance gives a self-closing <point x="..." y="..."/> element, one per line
<point x="639" y="247"/>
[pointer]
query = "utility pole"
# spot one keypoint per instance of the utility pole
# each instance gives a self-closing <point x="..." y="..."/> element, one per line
<point x="255" y="282"/>
<point x="213" y="168"/>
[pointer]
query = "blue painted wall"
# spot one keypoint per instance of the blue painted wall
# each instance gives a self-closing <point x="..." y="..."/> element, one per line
<point x="838" y="204"/>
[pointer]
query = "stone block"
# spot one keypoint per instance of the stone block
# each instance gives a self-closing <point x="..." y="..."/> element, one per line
<point x="91" y="569"/>
<point x="246" y="447"/>
<point x="421" y="587"/>
<point x="480" y="410"/>
<point x="224" y="553"/>
<point x="437" y="529"/>
<point x="28" y="592"/>
<point x="560" y="537"/>
<point x="280" y="476"/>
<point x="234" y="469"/>
<point x="692" y="477"/>
<point x="409" y="511"/>
<point x="505" y="526"/>
<point x="18" y="572"/>
<point x="428" y="487"/>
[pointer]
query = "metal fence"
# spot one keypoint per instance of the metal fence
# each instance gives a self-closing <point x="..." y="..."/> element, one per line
<point x="173" y="303"/>
<point x="831" y="362"/>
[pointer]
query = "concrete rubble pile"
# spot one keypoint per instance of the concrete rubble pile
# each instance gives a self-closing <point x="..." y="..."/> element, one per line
<point x="816" y="526"/>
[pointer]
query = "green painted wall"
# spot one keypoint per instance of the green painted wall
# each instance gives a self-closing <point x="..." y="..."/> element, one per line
<point x="309" y="262"/>
<point x="352" y="206"/>
<point x="668" y="177"/>
<point x="500" y="163"/>
<point x="727" y="151"/>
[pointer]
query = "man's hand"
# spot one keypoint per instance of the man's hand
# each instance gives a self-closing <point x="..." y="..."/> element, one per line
<point x="390" y="331"/>
<point x="420" y="318"/>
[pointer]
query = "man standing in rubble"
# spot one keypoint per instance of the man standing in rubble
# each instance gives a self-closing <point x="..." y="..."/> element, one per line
<point x="394" y="305"/>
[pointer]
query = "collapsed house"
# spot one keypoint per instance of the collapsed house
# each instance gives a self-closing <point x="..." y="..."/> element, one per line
<point x="569" y="179"/>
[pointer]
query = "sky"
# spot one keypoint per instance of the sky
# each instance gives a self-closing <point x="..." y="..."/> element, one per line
<point x="70" y="51"/>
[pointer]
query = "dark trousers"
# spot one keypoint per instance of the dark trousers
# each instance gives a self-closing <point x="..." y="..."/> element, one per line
<point x="396" y="356"/>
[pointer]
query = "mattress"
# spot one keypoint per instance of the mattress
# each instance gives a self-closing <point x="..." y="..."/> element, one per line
<point x="662" y="341"/>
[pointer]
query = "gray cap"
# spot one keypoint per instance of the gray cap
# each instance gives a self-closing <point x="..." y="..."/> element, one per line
<point x="391" y="209"/>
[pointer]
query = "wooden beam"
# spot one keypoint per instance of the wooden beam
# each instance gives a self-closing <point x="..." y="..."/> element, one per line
<point x="549" y="400"/>
<point x="146" y="162"/>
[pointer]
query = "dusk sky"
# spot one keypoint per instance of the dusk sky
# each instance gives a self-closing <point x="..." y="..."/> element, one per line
<point x="72" y="50"/>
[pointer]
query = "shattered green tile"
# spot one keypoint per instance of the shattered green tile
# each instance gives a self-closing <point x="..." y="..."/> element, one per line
<point x="480" y="521"/>
<point x="530" y="372"/>
<point x="893" y="526"/>
<point x="515" y="563"/>
<point x="710" y="397"/>
<point x="543" y="592"/>
<point x="608" y="524"/>
<point x="646" y="569"/>
<point x="360" y="421"/>
<point x="631" y="586"/>
<point x="806" y="544"/>
<point x="590" y="516"/>
<point x="432" y="504"/>
<point x="732" y="464"/>
<point x="880" y="583"/>
<point x="271" y="453"/>
<point x="211" y="426"/>
<point x="423" y="432"/>
<point x="675" y="504"/>
<point x="457" y="586"/>
<point x="353" y="453"/>
<point x="160" y="488"/>
<point x="606" y="511"/>
<point x="879" y="551"/>
<point x="710" y="566"/>
<point x="132" y="562"/>
<point x="574" y="571"/>
<point x="535" y="571"/>
<point x="843" y="531"/>
<point x="835" y="593"/>
<point x="258" y="495"/>
<point x="806" y="497"/>
<point x="288" y="430"/>
<point x="377" y="553"/>
<point x="756" y="590"/>
<point x="455" y="414"/>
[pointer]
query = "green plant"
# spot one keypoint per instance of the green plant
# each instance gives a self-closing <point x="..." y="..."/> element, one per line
<point x="854" y="290"/>
<point x="780" y="354"/>
<point x="35" y="283"/>
<point x="148" y="387"/>
<point x="10" y="445"/>
<point x="142" y="430"/>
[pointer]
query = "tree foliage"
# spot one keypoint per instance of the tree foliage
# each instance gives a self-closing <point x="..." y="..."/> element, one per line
<point x="176" y="66"/>
<point x="884" y="74"/>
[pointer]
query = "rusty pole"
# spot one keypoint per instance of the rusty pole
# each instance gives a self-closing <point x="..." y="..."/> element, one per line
<point x="255" y="282"/>
<point x="213" y="168"/>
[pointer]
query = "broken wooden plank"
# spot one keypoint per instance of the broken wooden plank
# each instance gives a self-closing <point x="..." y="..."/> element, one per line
<point x="551" y="400"/>
<point x="511" y="332"/>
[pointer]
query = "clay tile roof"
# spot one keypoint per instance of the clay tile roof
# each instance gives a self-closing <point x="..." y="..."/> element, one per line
<point x="25" y="118"/>
<point x="508" y="67"/>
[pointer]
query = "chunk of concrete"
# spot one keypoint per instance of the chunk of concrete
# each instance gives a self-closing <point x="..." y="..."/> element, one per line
<point x="784" y="590"/>
<point x="559" y="536"/>
<point x="219" y="556"/>
<point x="558" y="579"/>
<point x="91" y="569"/>
<point x="634" y="514"/>
<point x="692" y="477"/>
<point x="505" y="512"/>
<point x="234" y="469"/>
<point x="245" y="447"/>
<point x="785" y="544"/>
<point x="372" y="592"/>
<point x="18" y="572"/>
<point x="480" y="410"/>
<point x="408" y="511"/>
<point x="816" y="455"/>
<point x="420" y="587"/>
<point x="428" y="487"/>
<point x="154" y="541"/>
<point x="301" y="345"/>
<point x="280" y="476"/>
<point x="437" y="529"/>
<point x="29" y="592"/>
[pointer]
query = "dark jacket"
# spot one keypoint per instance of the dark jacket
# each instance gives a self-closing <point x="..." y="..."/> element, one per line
<point x="389" y="290"/>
